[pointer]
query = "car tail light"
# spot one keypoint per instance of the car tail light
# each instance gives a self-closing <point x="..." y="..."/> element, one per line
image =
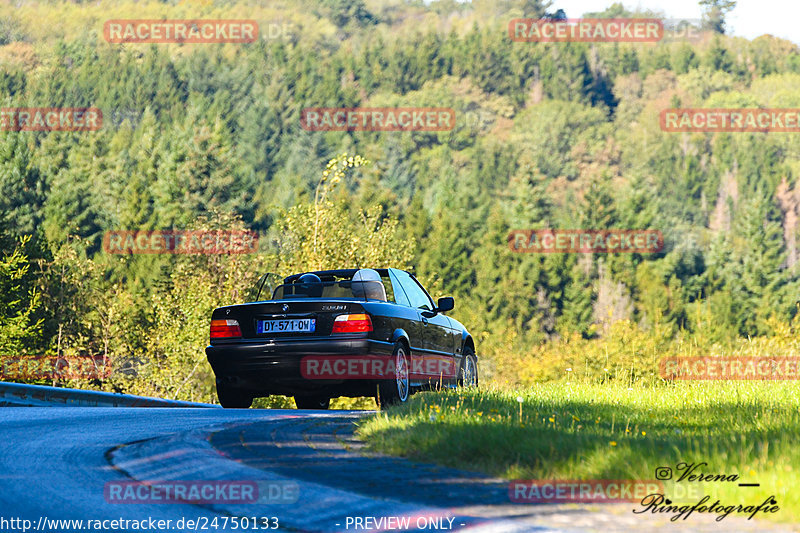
<point x="352" y="323"/>
<point x="225" y="329"/>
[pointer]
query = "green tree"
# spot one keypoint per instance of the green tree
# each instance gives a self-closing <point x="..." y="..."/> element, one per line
<point x="714" y="13"/>
<point x="22" y="186"/>
<point x="20" y="331"/>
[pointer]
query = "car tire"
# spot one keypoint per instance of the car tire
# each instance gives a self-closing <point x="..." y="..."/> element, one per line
<point x="312" y="402"/>
<point x="233" y="399"/>
<point x="396" y="390"/>
<point x="468" y="375"/>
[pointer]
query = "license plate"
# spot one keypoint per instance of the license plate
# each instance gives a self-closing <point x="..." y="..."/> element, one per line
<point x="302" y="325"/>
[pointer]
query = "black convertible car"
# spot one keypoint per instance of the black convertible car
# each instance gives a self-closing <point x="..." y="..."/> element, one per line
<point x="354" y="332"/>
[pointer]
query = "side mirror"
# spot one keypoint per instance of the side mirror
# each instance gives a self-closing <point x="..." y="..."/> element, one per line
<point x="445" y="304"/>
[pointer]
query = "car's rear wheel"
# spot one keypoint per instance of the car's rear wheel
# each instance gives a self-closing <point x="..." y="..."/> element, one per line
<point x="312" y="402"/>
<point x="231" y="398"/>
<point x="396" y="390"/>
<point x="468" y="377"/>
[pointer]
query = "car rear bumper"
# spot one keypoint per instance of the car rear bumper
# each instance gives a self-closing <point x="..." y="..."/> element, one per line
<point x="274" y="367"/>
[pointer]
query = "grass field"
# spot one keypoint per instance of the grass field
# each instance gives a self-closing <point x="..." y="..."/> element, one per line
<point x="587" y="431"/>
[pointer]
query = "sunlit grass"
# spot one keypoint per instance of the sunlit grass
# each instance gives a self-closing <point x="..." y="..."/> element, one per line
<point x="589" y="431"/>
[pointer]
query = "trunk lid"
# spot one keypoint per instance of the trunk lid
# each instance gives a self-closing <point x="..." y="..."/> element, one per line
<point x="287" y="318"/>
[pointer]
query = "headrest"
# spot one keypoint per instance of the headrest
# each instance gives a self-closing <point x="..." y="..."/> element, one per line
<point x="366" y="283"/>
<point x="310" y="285"/>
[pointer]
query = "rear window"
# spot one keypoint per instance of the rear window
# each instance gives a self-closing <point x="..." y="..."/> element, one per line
<point x="358" y="290"/>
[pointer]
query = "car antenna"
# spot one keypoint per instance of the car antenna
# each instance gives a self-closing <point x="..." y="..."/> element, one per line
<point x="262" y="281"/>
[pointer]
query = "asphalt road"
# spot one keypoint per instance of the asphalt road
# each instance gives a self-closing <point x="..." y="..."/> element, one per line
<point x="57" y="463"/>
